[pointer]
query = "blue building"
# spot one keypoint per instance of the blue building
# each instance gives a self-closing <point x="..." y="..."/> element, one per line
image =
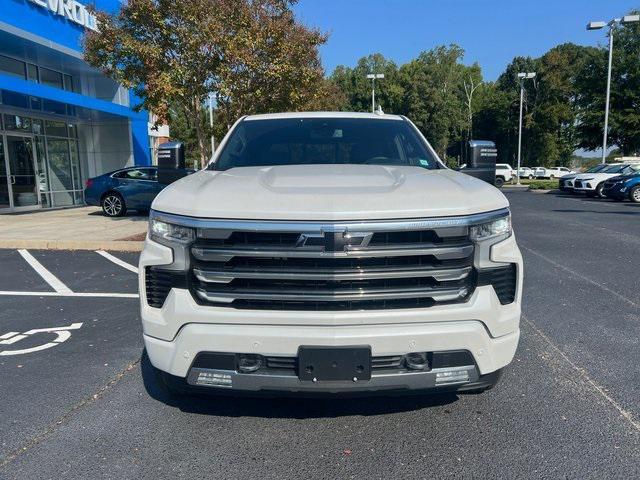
<point x="61" y="121"/>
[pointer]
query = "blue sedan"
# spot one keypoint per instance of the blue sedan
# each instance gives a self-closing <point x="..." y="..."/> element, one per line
<point x="126" y="189"/>
<point x="623" y="187"/>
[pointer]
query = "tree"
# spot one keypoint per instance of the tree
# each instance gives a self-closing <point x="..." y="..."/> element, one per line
<point x="251" y="53"/>
<point x="433" y="97"/>
<point x="357" y="87"/>
<point x="624" y="110"/>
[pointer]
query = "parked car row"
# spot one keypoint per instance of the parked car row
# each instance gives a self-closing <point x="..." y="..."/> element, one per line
<point x="506" y="173"/>
<point x="618" y="181"/>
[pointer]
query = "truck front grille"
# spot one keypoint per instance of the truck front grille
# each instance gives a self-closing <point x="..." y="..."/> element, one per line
<point x="330" y="267"/>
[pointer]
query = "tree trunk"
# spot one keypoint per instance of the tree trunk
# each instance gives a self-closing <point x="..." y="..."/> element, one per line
<point x="200" y="134"/>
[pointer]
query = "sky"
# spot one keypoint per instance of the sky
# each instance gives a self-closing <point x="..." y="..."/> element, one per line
<point x="491" y="32"/>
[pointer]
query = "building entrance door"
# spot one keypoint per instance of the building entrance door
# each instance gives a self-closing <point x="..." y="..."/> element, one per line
<point x="19" y="180"/>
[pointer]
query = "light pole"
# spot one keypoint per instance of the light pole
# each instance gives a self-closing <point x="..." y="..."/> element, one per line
<point x="522" y="76"/>
<point x="598" y="26"/>
<point x="213" y="142"/>
<point x="373" y="77"/>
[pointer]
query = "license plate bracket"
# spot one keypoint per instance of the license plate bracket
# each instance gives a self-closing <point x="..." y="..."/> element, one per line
<point x="334" y="364"/>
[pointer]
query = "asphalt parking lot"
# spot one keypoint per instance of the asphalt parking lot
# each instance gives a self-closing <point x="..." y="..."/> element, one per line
<point x="87" y="406"/>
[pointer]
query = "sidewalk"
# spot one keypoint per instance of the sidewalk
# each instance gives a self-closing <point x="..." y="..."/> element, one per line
<point x="84" y="228"/>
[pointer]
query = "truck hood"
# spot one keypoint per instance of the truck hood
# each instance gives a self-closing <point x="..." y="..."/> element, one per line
<point x="328" y="193"/>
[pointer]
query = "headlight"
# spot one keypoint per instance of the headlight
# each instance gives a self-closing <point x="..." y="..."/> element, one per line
<point x="163" y="232"/>
<point x="495" y="228"/>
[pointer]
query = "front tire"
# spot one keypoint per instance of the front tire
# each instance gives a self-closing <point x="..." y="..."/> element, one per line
<point x="113" y="205"/>
<point x="598" y="192"/>
<point x="499" y="182"/>
<point x="634" y="194"/>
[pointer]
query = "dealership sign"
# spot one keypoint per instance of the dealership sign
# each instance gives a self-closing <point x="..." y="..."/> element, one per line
<point x="72" y="10"/>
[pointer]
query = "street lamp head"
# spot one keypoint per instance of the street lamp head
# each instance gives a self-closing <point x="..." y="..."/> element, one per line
<point x="526" y="75"/>
<point x="375" y="75"/>
<point x="595" y="25"/>
<point x="630" y="19"/>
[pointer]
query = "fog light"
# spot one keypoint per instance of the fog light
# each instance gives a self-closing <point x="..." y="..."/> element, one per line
<point x="452" y="375"/>
<point x="214" y="379"/>
<point x="248" y="362"/>
<point x="416" y="361"/>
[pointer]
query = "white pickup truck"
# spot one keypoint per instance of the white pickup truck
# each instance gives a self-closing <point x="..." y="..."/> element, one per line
<point x="329" y="253"/>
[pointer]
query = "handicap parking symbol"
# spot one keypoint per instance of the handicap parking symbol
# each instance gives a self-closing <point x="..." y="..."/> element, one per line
<point x="62" y="335"/>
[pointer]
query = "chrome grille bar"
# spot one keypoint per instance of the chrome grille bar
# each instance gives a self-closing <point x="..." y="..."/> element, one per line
<point x="437" y="295"/>
<point x="226" y="276"/>
<point x="211" y="254"/>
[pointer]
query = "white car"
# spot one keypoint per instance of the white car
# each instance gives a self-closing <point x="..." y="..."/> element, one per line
<point x="329" y="253"/>
<point x="565" y="183"/>
<point x="592" y="183"/>
<point x="504" y="173"/>
<point x="553" y="172"/>
<point x="526" y="172"/>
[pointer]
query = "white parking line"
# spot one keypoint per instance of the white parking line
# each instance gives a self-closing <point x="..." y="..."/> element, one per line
<point x="117" y="261"/>
<point x="69" y="294"/>
<point x="46" y="275"/>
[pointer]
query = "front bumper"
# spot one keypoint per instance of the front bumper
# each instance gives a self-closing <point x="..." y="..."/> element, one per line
<point x="615" y="192"/>
<point x="176" y="357"/>
<point x="176" y="333"/>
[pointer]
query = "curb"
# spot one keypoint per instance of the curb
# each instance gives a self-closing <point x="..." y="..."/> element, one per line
<point x="113" y="245"/>
<point x="555" y="190"/>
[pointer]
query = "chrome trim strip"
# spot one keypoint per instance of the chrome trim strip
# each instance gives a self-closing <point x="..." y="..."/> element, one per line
<point x="443" y="295"/>
<point x="262" y="381"/>
<point x="351" y="226"/>
<point x="226" y="254"/>
<point x="226" y="276"/>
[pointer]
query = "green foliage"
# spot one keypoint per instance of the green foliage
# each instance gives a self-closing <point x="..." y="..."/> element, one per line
<point x="543" y="184"/>
<point x="624" y="112"/>
<point x="252" y="54"/>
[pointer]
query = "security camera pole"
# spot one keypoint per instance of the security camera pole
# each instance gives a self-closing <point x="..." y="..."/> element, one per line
<point x="373" y="77"/>
<point x="521" y="77"/>
<point x="598" y="26"/>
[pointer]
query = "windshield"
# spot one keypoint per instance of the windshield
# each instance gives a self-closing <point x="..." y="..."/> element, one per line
<point x="615" y="169"/>
<point x="596" y="168"/>
<point x="333" y="141"/>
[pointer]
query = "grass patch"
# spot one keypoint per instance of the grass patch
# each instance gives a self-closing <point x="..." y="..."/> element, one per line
<point x="543" y="184"/>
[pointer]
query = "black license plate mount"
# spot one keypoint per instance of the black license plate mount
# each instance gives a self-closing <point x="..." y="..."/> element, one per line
<point x="334" y="364"/>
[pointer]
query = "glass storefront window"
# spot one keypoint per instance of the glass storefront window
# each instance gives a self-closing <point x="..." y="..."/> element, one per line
<point x="16" y="122"/>
<point x="42" y="164"/>
<point x="38" y="126"/>
<point x="59" y="176"/>
<point x="32" y="72"/>
<point x="51" y="78"/>
<point x="68" y="83"/>
<point x="75" y="165"/>
<point x="11" y="66"/>
<point x="36" y="103"/>
<point x="55" y="128"/>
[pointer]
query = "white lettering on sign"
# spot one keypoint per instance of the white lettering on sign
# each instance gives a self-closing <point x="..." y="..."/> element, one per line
<point x="70" y="9"/>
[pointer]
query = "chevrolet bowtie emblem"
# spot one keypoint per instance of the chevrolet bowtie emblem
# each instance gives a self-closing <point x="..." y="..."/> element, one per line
<point x="334" y="241"/>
